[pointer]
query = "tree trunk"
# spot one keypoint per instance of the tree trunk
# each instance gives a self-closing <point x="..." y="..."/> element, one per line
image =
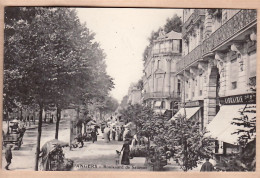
<point x="38" y="138"/>
<point x="58" y="123"/>
<point x="8" y="123"/>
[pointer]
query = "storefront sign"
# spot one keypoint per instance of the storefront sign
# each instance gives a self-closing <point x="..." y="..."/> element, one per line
<point x="239" y="99"/>
<point x="197" y="103"/>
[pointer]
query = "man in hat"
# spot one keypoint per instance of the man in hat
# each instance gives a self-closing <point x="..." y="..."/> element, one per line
<point x="8" y="156"/>
<point x="207" y="166"/>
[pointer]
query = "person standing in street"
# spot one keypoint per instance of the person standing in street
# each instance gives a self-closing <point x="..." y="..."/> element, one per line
<point x="93" y="135"/>
<point x="126" y="151"/>
<point x="8" y="156"/>
<point x="207" y="166"/>
<point x="113" y="133"/>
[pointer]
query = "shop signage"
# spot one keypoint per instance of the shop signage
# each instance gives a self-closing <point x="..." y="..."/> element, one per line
<point x="197" y="103"/>
<point x="239" y="99"/>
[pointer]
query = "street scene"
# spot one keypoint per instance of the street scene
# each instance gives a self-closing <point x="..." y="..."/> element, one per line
<point x="129" y="89"/>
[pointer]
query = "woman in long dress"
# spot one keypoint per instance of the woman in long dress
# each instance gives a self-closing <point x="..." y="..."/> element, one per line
<point x="126" y="151"/>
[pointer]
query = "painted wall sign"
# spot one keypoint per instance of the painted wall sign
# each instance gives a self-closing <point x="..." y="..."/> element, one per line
<point x="239" y="99"/>
<point x="194" y="103"/>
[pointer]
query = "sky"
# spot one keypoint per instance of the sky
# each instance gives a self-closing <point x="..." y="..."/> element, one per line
<point x="123" y="35"/>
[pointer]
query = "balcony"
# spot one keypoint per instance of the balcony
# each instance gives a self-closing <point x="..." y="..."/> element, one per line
<point x="164" y="51"/>
<point x="195" y="16"/>
<point x="238" y="22"/>
<point x="158" y="95"/>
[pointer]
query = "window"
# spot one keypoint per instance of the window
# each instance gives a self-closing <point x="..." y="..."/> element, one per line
<point x="154" y="103"/>
<point x="233" y="85"/>
<point x="234" y="68"/>
<point x="163" y="105"/>
<point x="159" y="84"/>
<point x="179" y="87"/>
<point x="200" y="84"/>
<point x="252" y="68"/>
<point x="158" y="64"/>
<point x="176" y="46"/>
<point x="171" y="105"/>
<point x="252" y="64"/>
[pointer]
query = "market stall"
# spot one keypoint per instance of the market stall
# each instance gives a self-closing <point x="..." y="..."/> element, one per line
<point x="52" y="157"/>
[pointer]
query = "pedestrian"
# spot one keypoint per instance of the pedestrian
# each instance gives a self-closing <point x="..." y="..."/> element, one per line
<point x="207" y="166"/>
<point x="106" y="134"/>
<point x="126" y="151"/>
<point x="8" y="156"/>
<point x="93" y="135"/>
<point x="80" y="140"/>
<point x="113" y="133"/>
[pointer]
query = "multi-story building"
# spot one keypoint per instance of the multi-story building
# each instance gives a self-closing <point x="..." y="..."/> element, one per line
<point x="134" y="95"/>
<point x="161" y="87"/>
<point x="218" y="68"/>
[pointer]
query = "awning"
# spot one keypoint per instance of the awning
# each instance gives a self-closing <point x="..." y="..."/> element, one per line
<point x="157" y="104"/>
<point x="220" y="128"/>
<point x="189" y="112"/>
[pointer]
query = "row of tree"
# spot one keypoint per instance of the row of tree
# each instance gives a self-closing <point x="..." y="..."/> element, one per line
<point x="50" y="58"/>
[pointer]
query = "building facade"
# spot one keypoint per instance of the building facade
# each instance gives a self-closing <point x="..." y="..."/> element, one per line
<point x="134" y="95"/>
<point x="218" y="64"/>
<point x="161" y="87"/>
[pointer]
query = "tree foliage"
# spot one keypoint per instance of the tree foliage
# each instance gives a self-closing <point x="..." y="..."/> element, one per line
<point x="51" y="58"/>
<point x="245" y="159"/>
<point x="174" y="24"/>
<point x="188" y="141"/>
<point x="183" y="137"/>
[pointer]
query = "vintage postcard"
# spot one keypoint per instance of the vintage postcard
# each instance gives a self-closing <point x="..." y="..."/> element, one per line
<point x="129" y="89"/>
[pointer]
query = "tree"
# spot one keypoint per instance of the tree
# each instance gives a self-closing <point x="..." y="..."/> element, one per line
<point x="124" y="103"/>
<point x="245" y="160"/>
<point x="187" y="140"/>
<point x="50" y="58"/>
<point x="140" y="84"/>
<point x="174" y="24"/>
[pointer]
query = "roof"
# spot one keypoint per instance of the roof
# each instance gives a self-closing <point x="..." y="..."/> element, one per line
<point x="171" y="35"/>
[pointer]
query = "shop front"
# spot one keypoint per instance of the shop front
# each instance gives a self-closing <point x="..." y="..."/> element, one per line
<point x="233" y="109"/>
<point x="191" y="110"/>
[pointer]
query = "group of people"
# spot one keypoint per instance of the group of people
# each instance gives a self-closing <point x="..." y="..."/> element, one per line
<point x="114" y="133"/>
<point x="81" y="138"/>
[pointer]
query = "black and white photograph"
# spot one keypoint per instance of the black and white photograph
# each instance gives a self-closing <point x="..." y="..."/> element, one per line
<point x="129" y="89"/>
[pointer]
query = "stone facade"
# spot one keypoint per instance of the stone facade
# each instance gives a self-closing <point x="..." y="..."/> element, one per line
<point x="134" y="95"/>
<point x="219" y="56"/>
<point x="161" y="88"/>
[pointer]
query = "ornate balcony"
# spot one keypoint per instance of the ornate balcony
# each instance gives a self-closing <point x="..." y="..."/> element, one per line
<point x="189" y="58"/>
<point x="195" y="16"/>
<point x="164" y="51"/>
<point x="157" y="95"/>
<point x="238" y="22"/>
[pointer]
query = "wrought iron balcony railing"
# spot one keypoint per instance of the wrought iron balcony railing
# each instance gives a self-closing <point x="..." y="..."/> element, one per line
<point x="191" y="20"/>
<point x="164" y="51"/>
<point x="238" y="22"/>
<point x="173" y="95"/>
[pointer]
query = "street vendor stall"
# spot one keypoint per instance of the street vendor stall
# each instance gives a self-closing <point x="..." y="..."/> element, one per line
<point x="52" y="157"/>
